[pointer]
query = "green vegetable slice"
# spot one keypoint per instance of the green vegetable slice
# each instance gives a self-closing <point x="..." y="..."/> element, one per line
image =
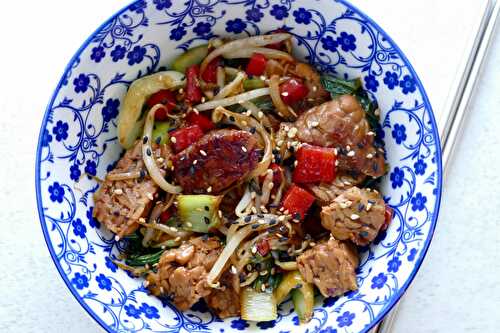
<point x="199" y="213"/>
<point x="160" y="132"/>
<point x="251" y="84"/>
<point x="193" y="56"/>
<point x="303" y="301"/>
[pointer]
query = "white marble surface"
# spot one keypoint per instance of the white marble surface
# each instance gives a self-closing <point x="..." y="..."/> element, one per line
<point x="457" y="289"/>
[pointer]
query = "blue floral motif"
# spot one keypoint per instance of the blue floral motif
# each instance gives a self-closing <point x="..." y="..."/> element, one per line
<point x="235" y="26"/>
<point x="413" y="253"/>
<point x="202" y="28"/>
<point x="74" y="172"/>
<point x="60" y="130"/>
<point x="162" y="4"/>
<point x="132" y="311"/>
<point x="92" y="221"/>
<point x="408" y="84"/>
<point x="239" y="324"/>
<point x="110" y="264"/>
<point x="302" y="16"/>
<point x="328" y="330"/>
<point x="254" y="14"/>
<point x="56" y="192"/>
<point x="279" y="12"/>
<point x="136" y="55"/>
<point x="81" y="83"/>
<point x="78" y="228"/>
<point x="371" y="83"/>
<point x="90" y="168"/>
<point x="397" y="176"/>
<point x="118" y="53"/>
<point x="80" y="281"/>
<point x="329" y="43"/>
<point x="149" y="311"/>
<point x="98" y="53"/>
<point x="138" y="6"/>
<point x="103" y="282"/>
<point x="347" y="41"/>
<point x="418" y="202"/>
<point x="393" y="264"/>
<point x="329" y="301"/>
<point x="379" y="281"/>
<point x="110" y="110"/>
<point x="391" y="80"/>
<point x="420" y="167"/>
<point x="264" y="325"/>
<point x="177" y="33"/>
<point x="399" y="133"/>
<point x="46" y="138"/>
<point x="296" y="321"/>
<point x="346" y="319"/>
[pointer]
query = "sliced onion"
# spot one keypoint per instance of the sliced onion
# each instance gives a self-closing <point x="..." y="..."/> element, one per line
<point x="221" y="77"/>
<point x="227" y="90"/>
<point x="153" y="169"/>
<point x="231" y="71"/>
<point x="233" y="99"/>
<point x="246" y="122"/>
<point x="267" y="52"/>
<point x="256" y="111"/>
<point x="113" y="176"/>
<point x="242" y="44"/>
<point x="274" y="90"/>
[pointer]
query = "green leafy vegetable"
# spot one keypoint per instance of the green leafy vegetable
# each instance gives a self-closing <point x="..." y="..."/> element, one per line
<point x="141" y="260"/>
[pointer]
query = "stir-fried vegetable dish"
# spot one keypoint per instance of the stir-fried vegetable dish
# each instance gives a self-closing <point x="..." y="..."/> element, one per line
<point x="248" y="178"/>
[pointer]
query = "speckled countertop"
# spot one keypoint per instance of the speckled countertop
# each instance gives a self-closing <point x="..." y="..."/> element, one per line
<point x="456" y="290"/>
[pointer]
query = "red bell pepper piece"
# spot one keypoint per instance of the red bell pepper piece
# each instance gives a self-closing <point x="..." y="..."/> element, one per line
<point x="193" y="90"/>
<point x="293" y="91"/>
<point x="314" y="164"/>
<point x="203" y="121"/>
<point x="257" y="64"/>
<point x="297" y="200"/>
<point x="163" y="97"/>
<point x="183" y="137"/>
<point x="210" y="72"/>
<point x="389" y="212"/>
<point x="263" y="247"/>
<point x="165" y="216"/>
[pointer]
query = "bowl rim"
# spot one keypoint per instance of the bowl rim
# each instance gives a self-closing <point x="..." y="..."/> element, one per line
<point x="418" y="262"/>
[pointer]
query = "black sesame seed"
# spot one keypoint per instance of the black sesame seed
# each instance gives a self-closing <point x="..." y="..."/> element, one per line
<point x="204" y="237"/>
<point x="145" y="140"/>
<point x="363" y="234"/>
<point x="255" y="226"/>
<point x="361" y="207"/>
<point x="360" y="145"/>
<point x="253" y="130"/>
<point x="206" y="220"/>
<point x="260" y="216"/>
<point x="296" y="216"/>
<point x="192" y="170"/>
<point x="291" y="149"/>
<point x="148" y="152"/>
<point x="171" y="129"/>
<point x="375" y="167"/>
<point x="158" y="140"/>
<point x="273" y="222"/>
<point x="207" y="208"/>
<point x="231" y="118"/>
<point x="247" y="218"/>
<point x="371" y="201"/>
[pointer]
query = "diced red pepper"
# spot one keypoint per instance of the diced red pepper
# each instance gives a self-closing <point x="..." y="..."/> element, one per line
<point x="314" y="164"/>
<point x="165" y="216"/>
<point x="297" y="200"/>
<point x="210" y="72"/>
<point x="183" y="137"/>
<point x="277" y="175"/>
<point x="387" y="217"/>
<point x="263" y="247"/>
<point x="279" y="45"/>
<point x="257" y="64"/>
<point x="293" y="91"/>
<point x="193" y="90"/>
<point x="163" y="97"/>
<point x="203" y="121"/>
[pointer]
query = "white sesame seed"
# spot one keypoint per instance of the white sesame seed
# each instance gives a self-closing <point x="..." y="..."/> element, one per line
<point x="279" y="143"/>
<point x="244" y="148"/>
<point x="351" y="153"/>
<point x="181" y="91"/>
<point x="220" y="213"/>
<point x="142" y="220"/>
<point x="244" y="123"/>
<point x="248" y="113"/>
<point x="263" y="77"/>
<point x="254" y="210"/>
<point x="173" y="139"/>
<point x="315" y="88"/>
<point x="145" y="283"/>
<point x="370" y="133"/>
<point x="195" y="110"/>
<point x="354" y="217"/>
<point x="295" y="163"/>
<point x="336" y="162"/>
<point x="377" y="112"/>
<point x="335" y="151"/>
<point x="172" y="168"/>
<point x="285" y="93"/>
<point x="204" y="153"/>
<point x="163" y="247"/>
<point x="150" y="196"/>
<point x="160" y="160"/>
<point x="195" y="161"/>
<point x="253" y="195"/>
<point x="178" y="238"/>
<point x="117" y="238"/>
<point x="209" y="189"/>
<point x="189" y="224"/>
<point x="348" y="148"/>
<point x="203" y="99"/>
<point x="118" y="191"/>
<point x="234" y="270"/>
<point x="368" y="206"/>
<point x="263" y="287"/>
<point x="369" y="156"/>
<point x="270" y="185"/>
<point x="174" y="229"/>
<point x="254" y="249"/>
<point x="241" y="102"/>
<point x="313" y="123"/>
<point x="260" y="114"/>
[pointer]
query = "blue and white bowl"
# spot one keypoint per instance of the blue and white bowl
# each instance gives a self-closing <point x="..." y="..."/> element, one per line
<point x="78" y="137"/>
